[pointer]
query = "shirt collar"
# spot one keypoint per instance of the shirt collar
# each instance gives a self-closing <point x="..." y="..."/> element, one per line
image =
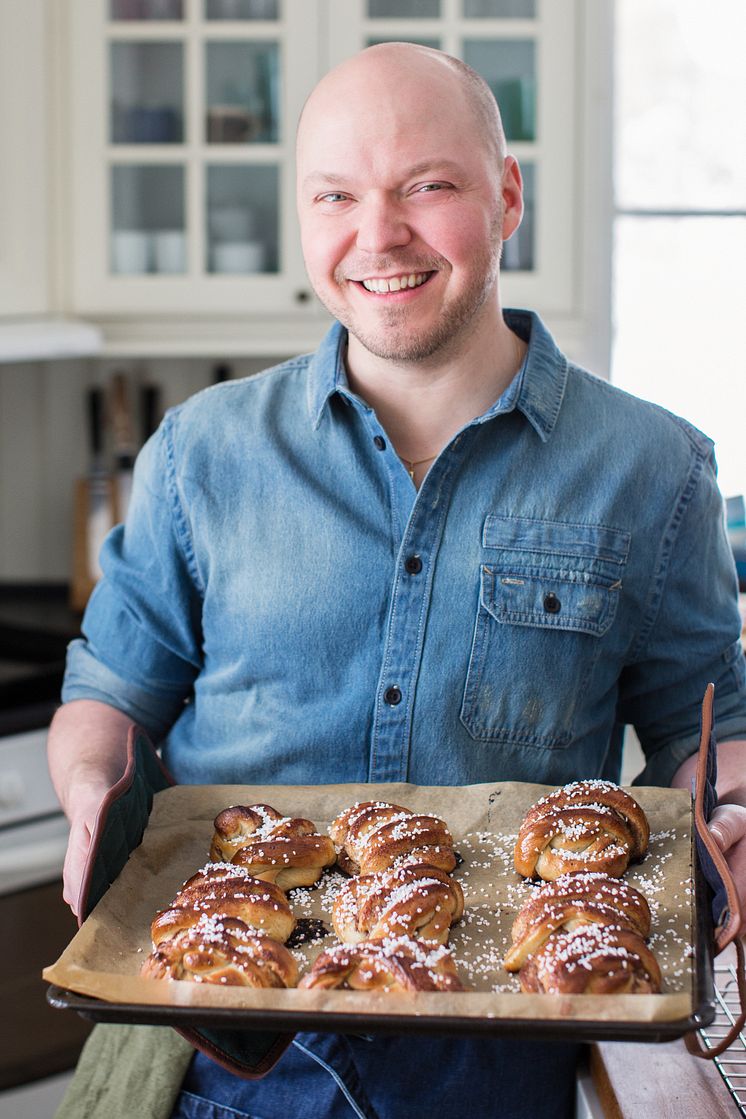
<point x="326" y="372"/>
<point x="536" y="390"/>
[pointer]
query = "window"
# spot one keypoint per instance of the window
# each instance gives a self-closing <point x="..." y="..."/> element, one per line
<point x="680" y="216"/>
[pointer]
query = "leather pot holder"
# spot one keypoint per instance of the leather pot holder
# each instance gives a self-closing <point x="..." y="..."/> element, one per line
<point x="726" y="911"/>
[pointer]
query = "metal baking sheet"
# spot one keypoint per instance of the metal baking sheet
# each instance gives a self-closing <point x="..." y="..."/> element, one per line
<point x="479" y="1012"/>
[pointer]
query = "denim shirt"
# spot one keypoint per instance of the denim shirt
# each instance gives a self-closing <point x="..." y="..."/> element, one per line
<point x="283" y="606"/>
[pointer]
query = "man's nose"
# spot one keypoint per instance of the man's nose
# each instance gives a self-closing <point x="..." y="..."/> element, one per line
<point x="382" y="226"/>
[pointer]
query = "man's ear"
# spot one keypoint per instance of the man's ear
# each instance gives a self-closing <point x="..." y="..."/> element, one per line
<point x="512" y="197"/>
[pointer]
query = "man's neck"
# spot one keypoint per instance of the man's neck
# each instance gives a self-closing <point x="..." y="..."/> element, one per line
<point x="421" y="405"/>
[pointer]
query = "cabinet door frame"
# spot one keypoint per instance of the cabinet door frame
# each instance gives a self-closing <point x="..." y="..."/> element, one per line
<point x="95" y="291"/>
<point x="550" y="285"/>
<point x="24" y="164"/>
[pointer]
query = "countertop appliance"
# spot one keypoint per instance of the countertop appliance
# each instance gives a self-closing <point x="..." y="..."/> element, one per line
<point x="39" y="1043"/>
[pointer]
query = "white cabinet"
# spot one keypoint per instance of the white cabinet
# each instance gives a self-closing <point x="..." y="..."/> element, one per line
<point x="24" y="153"/>
<point x="182" y="118"/>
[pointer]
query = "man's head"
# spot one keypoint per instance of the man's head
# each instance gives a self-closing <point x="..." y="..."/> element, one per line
<point x="405" y="194"/>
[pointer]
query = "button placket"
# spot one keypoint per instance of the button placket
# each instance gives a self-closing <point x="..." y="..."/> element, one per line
<point x="406" y="626"/>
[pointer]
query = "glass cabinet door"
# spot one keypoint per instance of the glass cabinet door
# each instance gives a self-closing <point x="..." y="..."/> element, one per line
<point x="193" y="167"/>
<point x="148" y="230"/>
<point x="243" y="92"/>
<point x="242" y="9"/>
<point x="146" y="10"/>
<point x="524" y="50"/>
<point x="147" y="93"/>
<point x="242" y="219"/>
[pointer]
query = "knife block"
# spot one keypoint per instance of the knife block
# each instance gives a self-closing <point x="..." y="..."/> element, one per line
<point x="83" y="578"/>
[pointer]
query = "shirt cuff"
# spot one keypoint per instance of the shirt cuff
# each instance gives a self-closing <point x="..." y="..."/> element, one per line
<point x="662" y="766"/>
<point x="87" y="678"/>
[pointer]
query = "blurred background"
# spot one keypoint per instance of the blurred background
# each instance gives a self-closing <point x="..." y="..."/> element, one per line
<point x="148" y="249"/>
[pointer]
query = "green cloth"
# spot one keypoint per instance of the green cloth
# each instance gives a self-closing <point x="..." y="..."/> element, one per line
<point x="127" y="1071"/>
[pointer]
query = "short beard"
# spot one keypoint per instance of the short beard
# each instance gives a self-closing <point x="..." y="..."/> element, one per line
<point x="396" y="341"/>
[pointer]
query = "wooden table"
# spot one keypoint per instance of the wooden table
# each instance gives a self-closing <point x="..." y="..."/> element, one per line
<point x="658" y="1081"/>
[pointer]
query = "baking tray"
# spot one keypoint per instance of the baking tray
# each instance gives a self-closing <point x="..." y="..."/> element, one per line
<point x="362" y="1013"/>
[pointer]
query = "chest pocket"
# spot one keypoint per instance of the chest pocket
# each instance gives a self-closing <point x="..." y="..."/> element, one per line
<point x="548" y="594"/>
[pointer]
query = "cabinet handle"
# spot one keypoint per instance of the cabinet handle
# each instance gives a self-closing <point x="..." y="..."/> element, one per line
<point x="302" y="296"/>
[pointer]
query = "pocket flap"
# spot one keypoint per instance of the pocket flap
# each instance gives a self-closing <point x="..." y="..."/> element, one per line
<point x="575" y="601"/>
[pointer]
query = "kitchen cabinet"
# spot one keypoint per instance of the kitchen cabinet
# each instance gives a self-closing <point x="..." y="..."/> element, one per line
<point x="181" y="123"/>
<point x="24" y="159"/>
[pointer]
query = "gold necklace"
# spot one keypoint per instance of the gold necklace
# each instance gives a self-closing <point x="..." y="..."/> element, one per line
<point x="411" y="465"/>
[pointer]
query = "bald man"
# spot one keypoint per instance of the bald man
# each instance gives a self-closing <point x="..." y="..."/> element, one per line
<point x="434" y="551"/>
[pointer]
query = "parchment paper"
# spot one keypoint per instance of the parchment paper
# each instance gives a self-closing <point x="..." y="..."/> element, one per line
<point x="104" y="958"/>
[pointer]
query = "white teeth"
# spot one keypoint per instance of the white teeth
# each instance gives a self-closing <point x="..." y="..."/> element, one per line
<point x="396" y="283"/>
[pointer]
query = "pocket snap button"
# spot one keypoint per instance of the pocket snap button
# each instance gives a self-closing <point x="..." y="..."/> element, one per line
<point x="392" y="696"/>
<point x="552" y="604"/>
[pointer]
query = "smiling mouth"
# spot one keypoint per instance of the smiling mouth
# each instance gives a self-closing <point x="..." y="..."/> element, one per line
<point x="385" y="285"/>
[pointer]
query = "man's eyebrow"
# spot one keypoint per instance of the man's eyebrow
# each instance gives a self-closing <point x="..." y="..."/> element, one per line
<point x="323" y="178"/>
<point x="429" y="166"/>
<point x="426" y="167"/>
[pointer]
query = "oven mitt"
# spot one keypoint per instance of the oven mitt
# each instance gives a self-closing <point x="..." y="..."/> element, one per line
<point x="119" y="828"/>
<point x="121" y="819"/>
<point x="726" y="912"/>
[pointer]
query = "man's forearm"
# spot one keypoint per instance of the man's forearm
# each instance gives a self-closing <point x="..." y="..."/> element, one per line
<point x="87" y="745"/>
<point x="731" y="782"/>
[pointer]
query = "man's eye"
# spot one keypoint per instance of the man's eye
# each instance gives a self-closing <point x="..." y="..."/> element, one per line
<point x="427" y="188"/>
<point x="333" y="196"/>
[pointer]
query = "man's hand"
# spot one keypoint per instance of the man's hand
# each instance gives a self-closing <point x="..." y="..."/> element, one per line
<point x="728" y="827"/>
<point x="728" y="821"/>
<point x="87" y="752"/>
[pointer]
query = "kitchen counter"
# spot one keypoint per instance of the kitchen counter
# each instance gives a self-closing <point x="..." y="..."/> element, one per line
<point x="660" y="1081"/>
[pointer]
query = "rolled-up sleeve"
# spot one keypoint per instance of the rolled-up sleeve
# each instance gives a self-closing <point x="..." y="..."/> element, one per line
<point x="141" y="645"/>
<point x="692" y="636"/>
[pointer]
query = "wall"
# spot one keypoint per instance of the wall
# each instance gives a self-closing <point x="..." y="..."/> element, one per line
<point x="44" y="446"/>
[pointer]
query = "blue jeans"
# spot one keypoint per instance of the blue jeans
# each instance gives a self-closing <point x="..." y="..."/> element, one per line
<point x="328" y="1076"/>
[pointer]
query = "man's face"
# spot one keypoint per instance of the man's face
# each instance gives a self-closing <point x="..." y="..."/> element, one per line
<point x="401" y="209"/>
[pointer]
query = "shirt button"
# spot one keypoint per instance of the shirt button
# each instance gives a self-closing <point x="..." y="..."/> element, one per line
<point x="413" y="565"/>
<point x="392" y="696"/>
<point x="552" y="604"/>
<point x="380" y="442"/>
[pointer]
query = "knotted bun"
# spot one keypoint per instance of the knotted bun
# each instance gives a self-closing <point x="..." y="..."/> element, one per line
<point x="399" y="964"/>
<point x="584" y="826"/>
<point x="221" y="889"/>
<point x="417" y="901"/>
<point x="225" y="951"/>
<point x="373" y="835"/>
<point x="569" y="902"/>
<point x="591" y="960"/>
<point x="281" y="849"/>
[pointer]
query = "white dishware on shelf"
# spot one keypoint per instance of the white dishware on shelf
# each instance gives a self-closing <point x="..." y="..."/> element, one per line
<point x="231" y="223"/>
<point x="238" y="257"/>
<point x="130" y="251"/>
<point x="169" y="250"/>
